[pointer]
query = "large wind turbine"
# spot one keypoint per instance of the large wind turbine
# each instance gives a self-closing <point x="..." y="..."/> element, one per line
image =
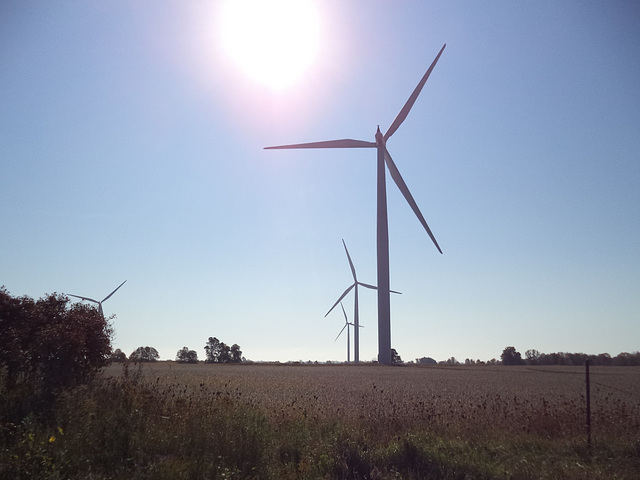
<point x="101" y="301"/>
<point x="384" y="303"/>
<point x="356" y="314"/>
<point x="346" y="325"/>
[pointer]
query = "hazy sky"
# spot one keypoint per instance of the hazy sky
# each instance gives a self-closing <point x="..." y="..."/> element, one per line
<point x="131" y="148"/>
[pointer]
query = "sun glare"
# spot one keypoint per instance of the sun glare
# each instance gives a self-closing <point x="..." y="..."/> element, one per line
<point x="273" y="41"/>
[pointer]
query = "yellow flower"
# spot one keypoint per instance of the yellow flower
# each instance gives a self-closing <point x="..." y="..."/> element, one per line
<point x="52" y="438"/>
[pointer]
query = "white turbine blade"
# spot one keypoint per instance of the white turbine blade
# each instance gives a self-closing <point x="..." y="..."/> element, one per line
<point x="345" y="314"/>
<point x="353" y="269"/>
<point x="373" y="287"/>
<point x="85" y="298"/>
<point x="345" y="326"/>
<point x="412" y="99"/>
<point x="107" y="297"/>
<point x="344" y="143"/>
<point x="395" y="174"/>
<point x="340" y="299"/>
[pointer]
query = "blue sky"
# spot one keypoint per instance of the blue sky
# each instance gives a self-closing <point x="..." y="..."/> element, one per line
<point x="131" y="146"/>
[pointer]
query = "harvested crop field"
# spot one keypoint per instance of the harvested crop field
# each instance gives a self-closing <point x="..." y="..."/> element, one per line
<point x="165" y="420"/>
<point x="490" y="421"/>
<point x="545" y="400"/>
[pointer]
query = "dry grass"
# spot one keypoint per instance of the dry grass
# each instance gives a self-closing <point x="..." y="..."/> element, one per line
<point x="175" y="421"/>
<point x="548" y="401"/>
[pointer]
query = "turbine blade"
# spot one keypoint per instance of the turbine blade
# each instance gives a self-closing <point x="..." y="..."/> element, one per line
<point x="353" y="269"/>
<point x="412" y="99"/>
<point x="345" y="313"/>
<point x="345" y="326"/>
<point x="395" y="174"/>
<point x="107" y="297"/>
<point x="84" y="298"/>
<point x="375" y="288"/>
<point x="344" y="143"/>
<point x="340" y="299"/>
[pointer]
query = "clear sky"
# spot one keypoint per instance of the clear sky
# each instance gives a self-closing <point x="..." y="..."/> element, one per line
<point x="131" y="148"/>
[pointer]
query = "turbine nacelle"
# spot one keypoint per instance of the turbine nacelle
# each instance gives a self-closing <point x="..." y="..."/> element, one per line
<point x="380" y="141"/>
<point x="99" y="302"/>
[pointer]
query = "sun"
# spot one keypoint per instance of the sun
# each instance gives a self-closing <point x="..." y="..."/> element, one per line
<point x="273" y="41"/>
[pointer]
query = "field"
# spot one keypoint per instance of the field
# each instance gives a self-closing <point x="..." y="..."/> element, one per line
<point x="168" y="420"/>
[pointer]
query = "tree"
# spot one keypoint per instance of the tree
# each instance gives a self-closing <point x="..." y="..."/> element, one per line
<point x="118" y="356"/>
<point x="220" y="352"/>
<point x="185" y="355"/>
<point x="212" y="350"/>
<point x="225" y="353"/>
<point x="604" y="359"/>
<point x="144" y="354"/>
<point x="510" y="356"/>
<point x="50" y="344"/>
<point x="623" y="359"/>
<point x="451" y="361"/>
<point x="236" y="353"/>
<point x="533" y="356"/>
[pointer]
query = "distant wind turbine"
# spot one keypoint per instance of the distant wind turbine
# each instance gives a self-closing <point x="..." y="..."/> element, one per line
<point x="346" y="325"/>
<point x="356" y="311"/>
<point x="384" y="301"/>
<point x="99" y="302"/>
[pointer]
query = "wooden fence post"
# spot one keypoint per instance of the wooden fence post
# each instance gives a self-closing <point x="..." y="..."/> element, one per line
<point x="586" y="364"/>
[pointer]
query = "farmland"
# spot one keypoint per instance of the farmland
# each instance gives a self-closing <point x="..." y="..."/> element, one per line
<point x="168" y="420"/>
<point x="543" y="400"/>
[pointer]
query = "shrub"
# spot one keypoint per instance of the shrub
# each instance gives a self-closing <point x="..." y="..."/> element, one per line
<point x="46" y="346"/>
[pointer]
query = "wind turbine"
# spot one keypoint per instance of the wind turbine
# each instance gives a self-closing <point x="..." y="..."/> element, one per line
<point x="384" y="301"/>
<point x="356" y="314"/>
<point x="346" y="325"/>
<point x="99" y="302"/>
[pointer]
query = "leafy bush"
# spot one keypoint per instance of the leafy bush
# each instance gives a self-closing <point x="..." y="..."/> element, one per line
<point x="46" y="346"/>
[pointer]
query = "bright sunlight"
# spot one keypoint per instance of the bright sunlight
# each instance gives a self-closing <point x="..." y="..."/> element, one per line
<point x="273" y="41"/>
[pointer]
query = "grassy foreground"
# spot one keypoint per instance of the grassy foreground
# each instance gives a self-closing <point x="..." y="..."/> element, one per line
<point x="171" y="421"/>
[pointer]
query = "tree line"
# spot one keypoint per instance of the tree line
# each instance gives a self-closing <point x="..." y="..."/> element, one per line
<point x="510" y="356"/>
<point x="215" y="351"/>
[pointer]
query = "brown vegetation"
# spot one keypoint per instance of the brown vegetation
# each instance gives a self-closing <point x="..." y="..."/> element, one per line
<point x="171" y="420"/>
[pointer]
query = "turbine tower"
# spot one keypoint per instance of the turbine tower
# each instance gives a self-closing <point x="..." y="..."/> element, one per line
<point x="382" y="241"/>
<point x="346" y="325"/>
<point x="356" y="311"/>
<point x="99" y="302"/>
